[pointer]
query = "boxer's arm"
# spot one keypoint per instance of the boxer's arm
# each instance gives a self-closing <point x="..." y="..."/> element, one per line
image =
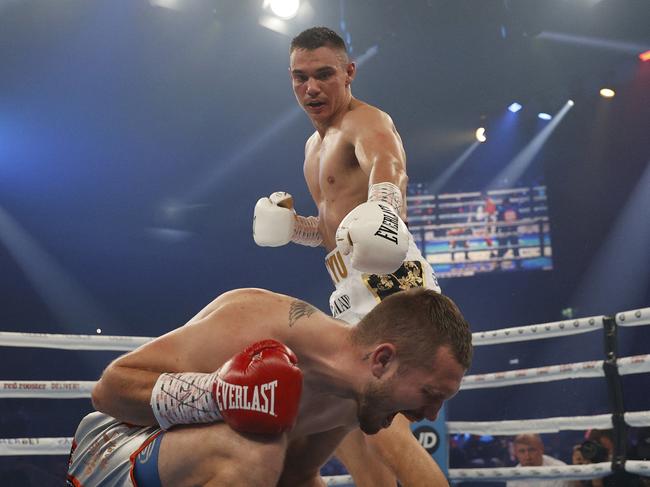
<point x="124" y="389"/>
<point x="378" y="147"/>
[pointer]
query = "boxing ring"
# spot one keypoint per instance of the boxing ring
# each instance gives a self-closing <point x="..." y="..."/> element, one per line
<point x="611" y="368"/>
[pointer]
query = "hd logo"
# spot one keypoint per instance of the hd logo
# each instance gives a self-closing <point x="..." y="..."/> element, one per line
<point x="428" y="438"/>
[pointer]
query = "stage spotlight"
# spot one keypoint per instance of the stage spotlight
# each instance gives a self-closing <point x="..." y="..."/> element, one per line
<point x="544" y="116"/>
<point x="607" y="93"/>
<point x="480" y="134"/>
<point x="515" y="107"/>
<point x="570" y="103"/>
<point x="285" y="9"/>
<point x="645" y="56"/>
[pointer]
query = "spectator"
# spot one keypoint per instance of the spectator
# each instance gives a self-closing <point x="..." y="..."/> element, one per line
<point x="529" y="450"/>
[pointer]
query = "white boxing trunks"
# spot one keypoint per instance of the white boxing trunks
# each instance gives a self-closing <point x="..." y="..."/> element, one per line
<point x="104" y="451"/>
<point x="357" y="293"/>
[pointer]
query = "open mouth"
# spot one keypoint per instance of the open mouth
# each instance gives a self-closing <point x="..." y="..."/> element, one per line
<point x="315" y="104"/>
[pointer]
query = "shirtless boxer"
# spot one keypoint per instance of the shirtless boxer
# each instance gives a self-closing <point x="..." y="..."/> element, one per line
<point x="355" y="168"/>
<point x="272" y="414"/>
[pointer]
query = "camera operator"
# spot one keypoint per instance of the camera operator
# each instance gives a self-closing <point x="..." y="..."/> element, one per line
<point x="598" y="448"/>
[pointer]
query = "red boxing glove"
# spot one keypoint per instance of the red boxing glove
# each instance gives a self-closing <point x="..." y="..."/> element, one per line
<point x="258" y="390"/>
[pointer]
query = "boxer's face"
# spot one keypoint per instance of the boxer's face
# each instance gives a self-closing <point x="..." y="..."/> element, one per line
<point x="418" y="393"/>
<point x="321" y="80"/>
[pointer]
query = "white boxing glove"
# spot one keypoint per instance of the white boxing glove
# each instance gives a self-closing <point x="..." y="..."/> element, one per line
<point x="274" y="220"/>
<point x="376" y="237"/>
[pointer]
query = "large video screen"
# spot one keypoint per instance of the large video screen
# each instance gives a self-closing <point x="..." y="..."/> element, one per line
<point x="469" y="233"/>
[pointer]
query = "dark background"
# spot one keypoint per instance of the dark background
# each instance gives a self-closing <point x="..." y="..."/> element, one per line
<point x="135" y="140"/>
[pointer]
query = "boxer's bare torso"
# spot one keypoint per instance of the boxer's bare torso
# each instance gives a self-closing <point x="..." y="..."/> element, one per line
<point x="354" y="144"/>
<point x="336" y="180"/>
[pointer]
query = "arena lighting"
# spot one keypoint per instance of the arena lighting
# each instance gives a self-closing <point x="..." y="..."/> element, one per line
<point x="625" y="287"/>
<point x="515" y="107"/>
<point x="480" y="134"/>
<point x="595" y="42"/>
<point x="517" y="166"/>
<point x="544" y="116"/>
<point x="66" y="299"/>
<point x="442" y="180"/>
<point x="285" y="9"/>
<point x="645" y="56"/>
<point x="607" y="93"/>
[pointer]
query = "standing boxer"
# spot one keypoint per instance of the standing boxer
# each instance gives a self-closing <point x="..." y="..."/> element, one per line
<point x="355" y="168"/>
<point x="290" y="382"/>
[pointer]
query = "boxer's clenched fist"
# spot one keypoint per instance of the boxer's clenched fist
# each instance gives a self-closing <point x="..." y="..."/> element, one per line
<point x="257" y="391"/>
<point x="375" y="236"/>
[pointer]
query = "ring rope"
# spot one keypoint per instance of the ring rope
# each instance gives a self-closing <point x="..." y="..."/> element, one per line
<point x="65" y="389"/>
<point x="639" y="467"/>
<point x="576" y="472"/>
<point x="71" y="342"/>
<point x="636" y="364"/>
<point x="535" y="332"/>
<point x="126" y="343"/>
<point x="543" y="425"/>
<point x="628" y="365"/>
<point x="61" y="446"/>
<point x="35" y="446"/>
<point x="549" y="373"/>
<point x="636" y="419"/>
<point x="636" y="317"/>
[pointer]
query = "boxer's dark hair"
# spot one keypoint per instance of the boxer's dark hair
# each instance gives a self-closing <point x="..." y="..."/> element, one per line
<point x="316" y="37"/>
<point x="417" y="321"/>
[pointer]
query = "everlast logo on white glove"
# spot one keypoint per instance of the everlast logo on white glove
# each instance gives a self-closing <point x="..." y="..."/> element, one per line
<point x="233" y="396"/>
<point x="375" y="237"/>
<point x="388" y="227"/>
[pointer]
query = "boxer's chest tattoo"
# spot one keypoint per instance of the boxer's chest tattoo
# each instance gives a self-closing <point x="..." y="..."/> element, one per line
<point x="298" y="309"/>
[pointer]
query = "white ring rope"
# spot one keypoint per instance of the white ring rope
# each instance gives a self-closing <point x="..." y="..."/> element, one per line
<point x="627" y="365"/>
<point x="593" y="470"/>
<point x="35" y="446"/>
<point x="634" y="318"/>
<point x="71" y="342"/>
<point x="529" y="376"/>
<point x="126" y="343"/>
<point x="639" y="467"/>
<point x="534" y="332"/>
<point x="61" y="446"/>
<point x="636" y="364"/>
<point x="38" y="389"/>
<point x="543" y="425"/>
<point x="635" y="419"/>
<point x="44" y="446"/>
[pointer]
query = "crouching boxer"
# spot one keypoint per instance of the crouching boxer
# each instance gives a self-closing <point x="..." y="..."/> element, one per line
<point x="259" y="388"/>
